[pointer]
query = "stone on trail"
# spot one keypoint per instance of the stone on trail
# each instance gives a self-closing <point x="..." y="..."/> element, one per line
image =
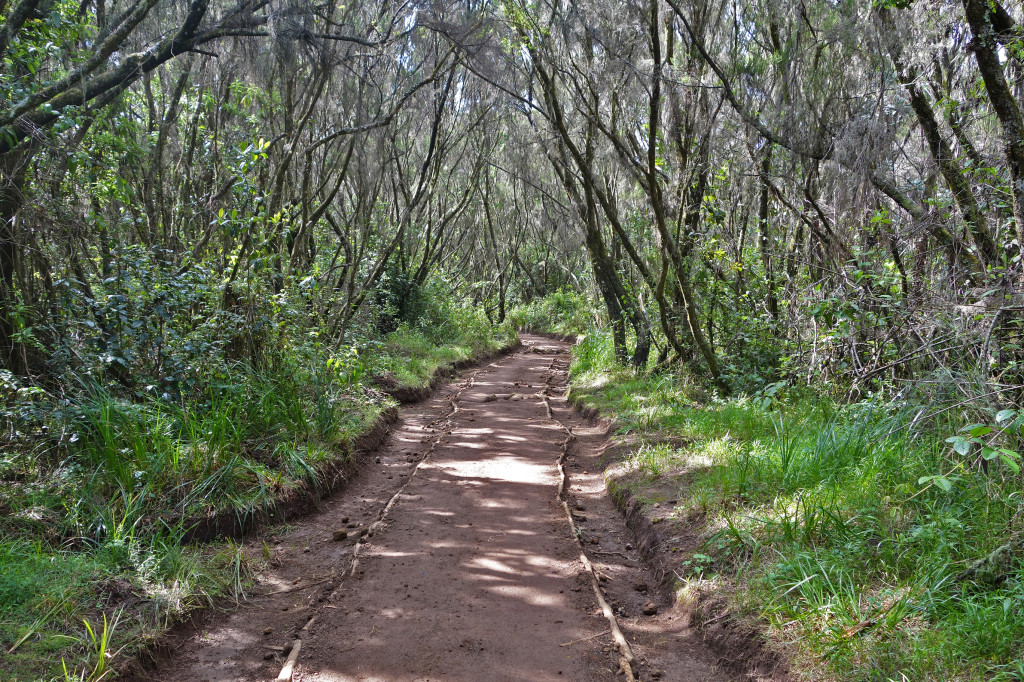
<point x="650" y="608"/>
<point x="340" y="535"/>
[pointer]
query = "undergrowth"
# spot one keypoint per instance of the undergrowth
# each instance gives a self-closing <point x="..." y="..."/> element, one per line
<point x="854" y="530"/>
<point x="99" y="488"/>
<point x="565" y="313"/>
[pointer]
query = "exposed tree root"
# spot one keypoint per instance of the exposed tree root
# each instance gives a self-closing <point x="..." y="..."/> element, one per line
<point x="626" y="658"/>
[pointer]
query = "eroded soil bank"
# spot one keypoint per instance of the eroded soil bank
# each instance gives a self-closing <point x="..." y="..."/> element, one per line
<point x="450" y="558"/>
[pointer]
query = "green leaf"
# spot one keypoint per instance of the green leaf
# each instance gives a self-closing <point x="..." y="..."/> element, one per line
<point x="988" y="453"/>
<point x="960" y="444"/>
<point x="1005" y="415"/>
<point x="939" y="480"/>
<point x="976" y="429"/>
<point x="1011" y="463"/>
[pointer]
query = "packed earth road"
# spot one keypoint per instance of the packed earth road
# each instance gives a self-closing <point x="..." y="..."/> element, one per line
<point x="450" y="556"/>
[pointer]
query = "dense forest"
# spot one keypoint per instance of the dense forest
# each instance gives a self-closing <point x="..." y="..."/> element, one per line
<point x="791" y="231"/>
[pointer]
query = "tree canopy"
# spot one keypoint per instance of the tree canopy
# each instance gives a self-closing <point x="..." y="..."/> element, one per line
<point x="757" y="190"/>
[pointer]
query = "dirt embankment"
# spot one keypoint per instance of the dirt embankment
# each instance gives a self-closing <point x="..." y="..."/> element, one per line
<point x="665" y="545"/>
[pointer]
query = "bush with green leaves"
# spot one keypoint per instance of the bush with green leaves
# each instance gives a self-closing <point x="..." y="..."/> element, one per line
<point x="564" y="312"/>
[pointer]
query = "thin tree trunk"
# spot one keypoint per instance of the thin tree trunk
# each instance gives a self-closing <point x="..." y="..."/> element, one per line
<point x="985" y="46"/>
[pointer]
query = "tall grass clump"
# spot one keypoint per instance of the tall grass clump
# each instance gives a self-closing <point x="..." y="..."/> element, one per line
<point x="566" y="312"/>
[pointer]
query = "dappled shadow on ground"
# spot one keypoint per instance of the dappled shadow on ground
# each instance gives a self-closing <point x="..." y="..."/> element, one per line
<point x="476" y="577"/>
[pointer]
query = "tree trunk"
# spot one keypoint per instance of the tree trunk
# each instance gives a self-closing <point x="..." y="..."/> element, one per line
<point x="986" y="52"/>
<point x="940" y="150"/>
<point x="763" y="234"/>
<point x="12" y="180"/>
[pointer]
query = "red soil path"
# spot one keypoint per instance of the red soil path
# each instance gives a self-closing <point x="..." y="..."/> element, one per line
<point x="473" y="573"/>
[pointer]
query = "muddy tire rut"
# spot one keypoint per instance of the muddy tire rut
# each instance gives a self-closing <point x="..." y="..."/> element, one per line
<point x="450" y="557"/>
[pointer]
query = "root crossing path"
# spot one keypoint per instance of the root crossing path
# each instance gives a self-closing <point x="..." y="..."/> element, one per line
<point x="458" y="561"/>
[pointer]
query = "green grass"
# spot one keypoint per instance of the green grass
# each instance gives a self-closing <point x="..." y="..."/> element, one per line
<point x="413" y="359"/>
<point x="447" y="336"/>
<point x="565" y="312"/>
<point x="93" y="515"/>
<point x="72" y="613"/>
<point x="828" y="523"/>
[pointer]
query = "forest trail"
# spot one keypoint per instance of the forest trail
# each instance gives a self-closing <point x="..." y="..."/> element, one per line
<point x="473" y="573"/>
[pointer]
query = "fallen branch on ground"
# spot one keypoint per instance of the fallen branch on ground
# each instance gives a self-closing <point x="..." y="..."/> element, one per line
<point x="586" y="639"/>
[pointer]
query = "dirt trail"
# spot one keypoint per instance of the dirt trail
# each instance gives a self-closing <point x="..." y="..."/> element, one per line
<point x="473" y="573"/>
